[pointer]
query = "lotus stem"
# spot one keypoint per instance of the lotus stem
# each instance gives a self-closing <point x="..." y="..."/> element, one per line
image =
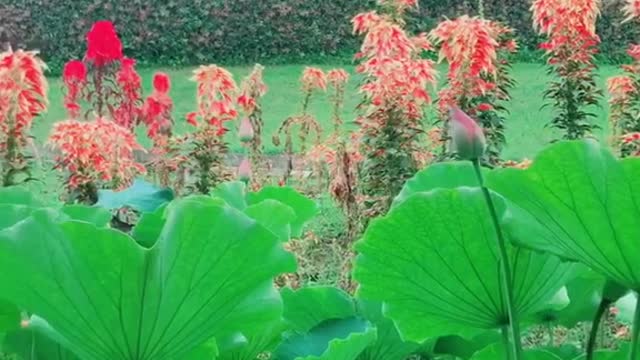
<point x="507" y="276"/>
<point x="595" y="326"/>
<point x="506" y="340"/>
<point x="635" y="338"/>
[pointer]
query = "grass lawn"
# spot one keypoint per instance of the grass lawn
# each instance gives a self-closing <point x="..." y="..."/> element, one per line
<point x="526" y="132"/>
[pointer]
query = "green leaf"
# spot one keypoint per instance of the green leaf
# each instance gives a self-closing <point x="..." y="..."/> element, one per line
<point x="149" y="227"/>
<point x="10" y="316"/>
<point x="233" y="193"/>
<point x="94" y="215"/>
<point x="206" y="351"/>
<point x="107" y="298"/>
<point x="273" y="215"/>
<point x="433" y="261"/>
<point x="578" y="202"/>
<point x="448" y="175"/>
<point x="388" y="344"/>
<point x="304" y="208"/>
<point x="308" y="307"/>
<point x="141" y="196"/>
<point x="463" y="348"/>
<point x="17" y="195"/>
<point x="585" y="294"/>
<point x="340" y="339"/>
<point x="497" y="351"/>
<point x="28" y="344"/>
<point x="253" y="344"/>
<point x="621" y="354"/>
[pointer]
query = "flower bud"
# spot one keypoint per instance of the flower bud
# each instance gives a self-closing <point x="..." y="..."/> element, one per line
<point x="246" y="130"/>
<point x="244" y="170"/>
<point x="467" y="138"/>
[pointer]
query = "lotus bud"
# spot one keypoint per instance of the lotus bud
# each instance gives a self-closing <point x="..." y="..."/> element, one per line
<point x="246" y="130"/>
<point x="467" y="138"/>
<point x="244" y="170"/>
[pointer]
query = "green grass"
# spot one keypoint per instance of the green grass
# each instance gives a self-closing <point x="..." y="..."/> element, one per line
<point x="526" y="131"/>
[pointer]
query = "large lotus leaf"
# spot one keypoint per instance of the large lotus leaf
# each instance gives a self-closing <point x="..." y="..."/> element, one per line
<point x="149" y="227"/>
<point x="9" y="316"/>
<point x="338" y="339"/>
<point x="94" y="215"/>
<point x="578" y="202"/>
<point x="620" y="354"/>
<point x="253" y="344"/>
<point x="584" y="294"/>
<point x="433" y="261"/>
<point x="106" y="297"/>
<point x="308" y="307"/>
<point x="274" y="216"/>
<point x="233" y="193"/>
<point x="497" y="351"/>
<point x="31" y="345"/>
<point x="388" y="344"/>
<point x="448" y="175"/>
<point x="141" y="196"/>
<point x="304" y="208"/>
<point x="17" y="195"/>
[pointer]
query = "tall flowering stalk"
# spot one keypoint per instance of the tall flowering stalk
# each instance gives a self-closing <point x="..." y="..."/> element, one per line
<point x="313" y="80"/>
<point x="395" y="93"/>
<point x="166" y="159"/>
<point x="105" y="80"/>
<point x="252" y="89"/>
<point x="94" y="155"/>
<point x="572" y="42"/>
<point x="479" y="79"/>
<point x="208" y="148"/>
<point x="23" y="96"/>
<point x="624" y="97"/>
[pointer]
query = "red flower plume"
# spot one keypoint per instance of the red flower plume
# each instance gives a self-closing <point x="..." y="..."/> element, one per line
<point x="103" y="45"/>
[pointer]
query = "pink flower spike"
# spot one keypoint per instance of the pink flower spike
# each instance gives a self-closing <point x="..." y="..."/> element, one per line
<point x="467" y="138"/>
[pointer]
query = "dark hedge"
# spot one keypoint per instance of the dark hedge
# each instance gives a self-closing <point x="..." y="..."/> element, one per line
<point x="184" y="32"/>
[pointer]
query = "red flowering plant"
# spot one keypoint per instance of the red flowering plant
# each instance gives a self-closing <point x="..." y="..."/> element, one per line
<point x="572" y="42"/>
<point x="624" y="97"/>
<point x="313" y="80"/>
<point x="94" y="155"/>
<point x="477" y="51"/>
<point x="252" y="89"/>
<point x="216" y="94"/>
<point x="167" y="162"/>
<point x="105" y="79"/>
<point x="395" y="93"/>
<point x="23" y="96"/>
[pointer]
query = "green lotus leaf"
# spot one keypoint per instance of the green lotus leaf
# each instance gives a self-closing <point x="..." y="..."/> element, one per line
<point x="497" y="351"/>
<point x="17" y="195"/>
<point x="10" y="316"/>
<point x="620" y="354"/>
<point x="141" y="196"/>
<point x="462" y="348"/>
<point x="448" y="175"/>
<point x="253" y="344"/>
<point x="388" y="344"/>
<point x="308" y="307"/>
<point x="94" y="215"/>
<point x="98" y="292"/>
<point x="433" y="261"/>
<point x="233" y="193"/>
<point x="274" y="216"/>
<point x="338" y="339"/>
<point x="28" y="344"/>
<point x="304" y="208"/>
<point x="578" y="202"/>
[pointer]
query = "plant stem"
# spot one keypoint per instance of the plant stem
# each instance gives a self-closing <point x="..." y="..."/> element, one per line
<point x="507" y="277"/>
<point x="593" y="334"/>
<point x="506" y="339"/>
<point x="635" y="338"/>
<point x="551" y="330"/>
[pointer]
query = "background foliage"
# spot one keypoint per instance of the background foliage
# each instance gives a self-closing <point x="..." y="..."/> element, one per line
<point x="187" y="32"/>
